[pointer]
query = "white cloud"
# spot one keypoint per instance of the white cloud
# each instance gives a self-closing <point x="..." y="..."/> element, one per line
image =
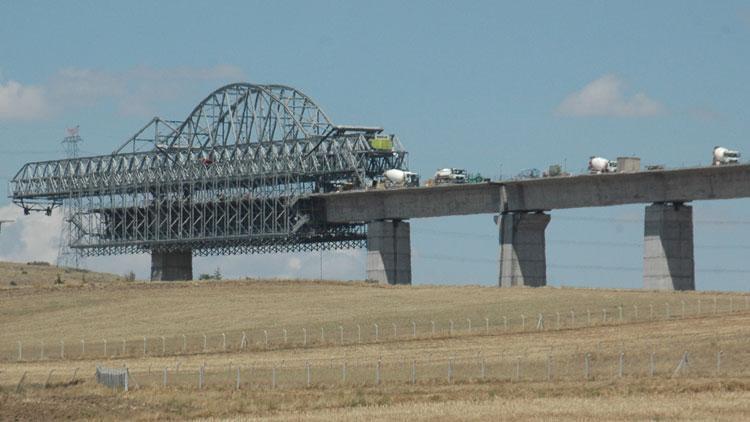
<point x="32" y="237"/>
<point x="605" y="97"/>
<point x="19" y="102"/>
<point x="138" y="91"/>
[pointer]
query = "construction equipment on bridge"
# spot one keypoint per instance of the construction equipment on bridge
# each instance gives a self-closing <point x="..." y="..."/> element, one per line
<point x="449" y="175"/>
<point x="555" y="170"/>
<point x="394" y="178"/>
<point x="234" y="177"/>
<point x="598" y="165"/>
<point x="528" y="174"/>
<point x="723" y="156"/>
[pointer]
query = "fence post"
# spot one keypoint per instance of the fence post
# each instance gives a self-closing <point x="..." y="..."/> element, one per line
<point x="450" y="371"/>
<point x="376" y="332"/>
<point x="145" y="346"/>
<point x="377" y="373"/>
<point x="622" y="364"/>
<point x="682" y="366"/>
<point x="651" y="312"/>
<point x="20" y="351"/>
<point x="549" y="368"/>
<point x="414" y="371"/>
<point x="468" y="321"/>
<point x="304" y="336"/>
<point x="341" y="334"/>
<point x="518" y="369"/>
<point x="718" y="362"/>
<point x="237" y="383"/>
<point x="413" y="329"/>
<point x="343" y="373"/>
<point x="487" y="326"/>
<point x="540" y="322"/>
<point x="205" y="343"/>
<point x="450" y="331"/>
<point x="200" y="377"/>
<point x="184" y="343"/>
<point x="619" y="308"/>
<point x="604" y="315"/>
<point x="359" y="333"/>
<point x="127" y="378"/>
<point x="482" y="371"/>
<point x="587" y="366"/>
<point x="163" y="345"/>
<point x="20" y="382"/>
<point x="322" y="335"/>
<point x="49" y="376"/>
<point x="223" y="342"/>
<point x="557" y="326"/>
<point x="164" y="377"/>
<point x="83" y="347"/>
<point x="285" y="335"/>
<point x="265" y="339"/>
<point x="273" y="377"/>
<point x="635" y="312"/>
<point x="523" y="322"/>
<point x="62" y="349"/>
<point x="433" y="327"/>
<point x="652" y="364"/>
<point x="73" y="378"/>
<point x="307" y="370"/>
<point x="572" y="319"/>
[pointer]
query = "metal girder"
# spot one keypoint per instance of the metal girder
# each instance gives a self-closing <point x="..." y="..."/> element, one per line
<point x="231" y="178"/>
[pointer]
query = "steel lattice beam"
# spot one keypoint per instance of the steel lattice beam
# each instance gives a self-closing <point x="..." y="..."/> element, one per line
<point x="233" y="177"/>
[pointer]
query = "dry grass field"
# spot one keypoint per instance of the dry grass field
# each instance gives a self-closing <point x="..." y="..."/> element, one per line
<point x="495" y="369"/>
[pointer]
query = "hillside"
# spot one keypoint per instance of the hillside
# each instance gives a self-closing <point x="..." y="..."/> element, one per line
<point x="338" y="350"/>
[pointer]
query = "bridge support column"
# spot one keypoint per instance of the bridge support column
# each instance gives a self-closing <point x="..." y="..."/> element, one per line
<point x="523" y="260"/>
<point x="668" y="261"/>
<point x="171" y="266"/>
<point x="389" y="252"/>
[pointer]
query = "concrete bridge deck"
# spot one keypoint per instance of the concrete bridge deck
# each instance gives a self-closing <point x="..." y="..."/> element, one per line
<point x="668" y="231"/>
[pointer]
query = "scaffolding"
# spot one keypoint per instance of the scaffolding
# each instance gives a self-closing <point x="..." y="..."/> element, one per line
<point x="234" y="177"/>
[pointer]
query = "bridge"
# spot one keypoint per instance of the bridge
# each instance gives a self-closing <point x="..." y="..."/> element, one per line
<point x="262" y="169"/>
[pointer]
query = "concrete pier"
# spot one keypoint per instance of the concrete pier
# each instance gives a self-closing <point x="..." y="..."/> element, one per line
<point x="523" y="260"/>
<point x="668" y="260"/>
<point x="171" y="266"/>
<point x="389" y="252"/>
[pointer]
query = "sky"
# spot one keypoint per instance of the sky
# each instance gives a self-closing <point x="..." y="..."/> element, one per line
<point x="491" y="86"/>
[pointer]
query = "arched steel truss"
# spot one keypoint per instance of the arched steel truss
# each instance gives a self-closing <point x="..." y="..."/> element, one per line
<point x="233" y="177"/>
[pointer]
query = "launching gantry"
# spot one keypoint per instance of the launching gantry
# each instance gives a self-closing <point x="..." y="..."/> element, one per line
<point x="233" y="178"/>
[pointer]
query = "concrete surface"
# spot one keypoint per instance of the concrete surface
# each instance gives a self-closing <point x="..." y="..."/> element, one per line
<point x="523" y="259"/>
<point x="171" y="266"/>
<point x="389" y="252"/>
<point x="668" y="260"/>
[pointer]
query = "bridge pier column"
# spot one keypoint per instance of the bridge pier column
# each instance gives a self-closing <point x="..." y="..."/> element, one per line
<point x="171" y="266"/>
<point x="389" y="252"/>
<point x="523" y="260"/>
<point x="668" y="260"/>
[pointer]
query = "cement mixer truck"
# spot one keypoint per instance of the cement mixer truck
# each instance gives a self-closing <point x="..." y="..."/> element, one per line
<point x="599" y="165"/>
<point x="724" y="156"/>
<point x="395" y="178"/>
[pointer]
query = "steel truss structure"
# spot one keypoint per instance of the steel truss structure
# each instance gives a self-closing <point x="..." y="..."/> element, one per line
<point x="234" y="177"/>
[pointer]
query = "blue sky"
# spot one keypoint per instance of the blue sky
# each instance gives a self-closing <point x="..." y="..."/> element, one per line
<point x="495" y="87"/>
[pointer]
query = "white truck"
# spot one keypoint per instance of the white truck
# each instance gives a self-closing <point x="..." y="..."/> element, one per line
<point x="394" y="178"/>
<point x="450" y="175"/>
<point x="599" y="165"/>
<point x="723" y="156"/>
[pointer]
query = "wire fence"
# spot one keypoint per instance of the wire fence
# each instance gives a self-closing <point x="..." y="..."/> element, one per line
<point x="727" y="358"/>
<point x="332" y="334"/>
